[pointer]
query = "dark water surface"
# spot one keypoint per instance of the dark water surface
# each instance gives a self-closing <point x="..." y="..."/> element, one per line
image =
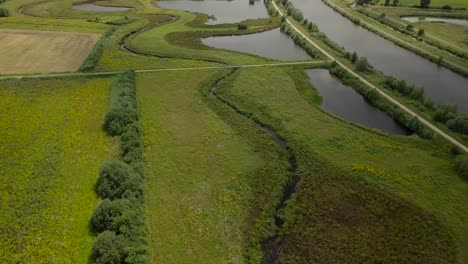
<point x="224" y="11"/>
<point x="346" y="103"/>
<point x="272" y="44"/>
<point x="97" y="8"/>
<point x="440" y="84"/>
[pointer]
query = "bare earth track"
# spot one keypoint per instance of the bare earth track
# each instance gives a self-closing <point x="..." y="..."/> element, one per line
<point x="25" y="51"/>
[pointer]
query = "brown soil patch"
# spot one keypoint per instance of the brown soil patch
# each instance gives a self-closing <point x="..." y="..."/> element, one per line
<point x="30" y="51"/>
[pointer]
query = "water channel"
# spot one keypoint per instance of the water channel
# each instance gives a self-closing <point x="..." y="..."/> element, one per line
<point x="338" y="99"/>
<point x="440" y="84"/>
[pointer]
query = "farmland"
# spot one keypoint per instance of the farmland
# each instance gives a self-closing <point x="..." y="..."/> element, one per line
<point x="166" y="150"/>
<point x="24" y="51"/>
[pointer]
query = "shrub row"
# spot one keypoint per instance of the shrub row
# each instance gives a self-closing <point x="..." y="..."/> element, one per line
<point x="123" y="105"/>
<point x="299" y="40"/>
<point x="4" y="12"/>
<point x="270" y="8"/>
<point x="376" y="99"/>
<point x="445" y="114"/>
<point x="119" y="218"/>
<point x="91" y="61"/>
<point x="408" y="30"/>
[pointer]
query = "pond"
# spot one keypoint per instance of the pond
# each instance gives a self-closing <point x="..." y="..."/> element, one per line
<point x="344" y="102"/>
<point x="223" y="11"/>
<point x="272" y="44"/>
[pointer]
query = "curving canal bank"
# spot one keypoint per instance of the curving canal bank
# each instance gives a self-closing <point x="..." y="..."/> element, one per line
<point x="440" y="84"/>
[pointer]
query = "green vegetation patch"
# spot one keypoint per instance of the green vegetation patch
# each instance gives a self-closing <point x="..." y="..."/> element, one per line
<point x="51" y="147"/>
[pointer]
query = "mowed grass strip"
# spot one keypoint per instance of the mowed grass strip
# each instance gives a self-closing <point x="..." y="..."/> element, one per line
<point x="198" y="173"/>
<point x="51" y="148"/>
<point x="25" y="51"/>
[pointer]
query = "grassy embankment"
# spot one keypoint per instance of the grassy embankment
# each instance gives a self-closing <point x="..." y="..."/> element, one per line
<point x="452" y="33"/>
<point x="434" y="3"/>
<point x="52" y="145"/>
<point x="451" y="61"/>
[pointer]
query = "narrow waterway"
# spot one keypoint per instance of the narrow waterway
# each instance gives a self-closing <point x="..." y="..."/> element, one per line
<point x="346" y="103"/>
<point x="460" y="22"/>
<point x="222" y="11"/>
<point x="440" y="84"/>
<point x="272" y="44"/>
<point x="97" y="8"/>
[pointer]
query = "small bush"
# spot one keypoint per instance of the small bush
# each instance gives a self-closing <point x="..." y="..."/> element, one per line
<point x="118" y="180"/>
<point x="461" y="165"/>
<point x="4" y="12"/>
<point x="362" y="64"/>
<point x="109" y="248"/>
<point x="119" y="216"/>
<point x="242" y="27"/>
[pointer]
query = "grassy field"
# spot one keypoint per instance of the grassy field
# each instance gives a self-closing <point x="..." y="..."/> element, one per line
<point x="24" y="51"/>
<point x="423" y="177"/>
<point x="51" y="148"/>
<point x="435" y="3"/>
<point x="214" y="180"/>
<point x="198" y="176"/>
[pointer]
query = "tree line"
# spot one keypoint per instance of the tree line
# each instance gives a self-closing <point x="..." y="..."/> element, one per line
<point x="118" y="220"/>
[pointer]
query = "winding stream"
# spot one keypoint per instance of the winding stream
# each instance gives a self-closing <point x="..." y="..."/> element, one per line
<point x="440" y="84"/>
<point x="269" y="246"/>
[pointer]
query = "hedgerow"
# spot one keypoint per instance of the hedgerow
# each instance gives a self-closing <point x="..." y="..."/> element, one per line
<point x="91" y="61"/>
<point x="123" y="109"/>
<point x="120" y="215"/>
<point x="299" y="40"/>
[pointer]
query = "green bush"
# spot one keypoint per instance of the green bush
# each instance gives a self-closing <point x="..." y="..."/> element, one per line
<point x="242" y="27"/>
<point x="123" y="107"/>
<point x="362" y="64"/>
<point x="4" y="12"/>
<point x="118" y="180"/>
<point x="119" y="216"/>
<point x="91" y="61"/>
<point x="461" y="165"/>
<point x="109" y="248"/>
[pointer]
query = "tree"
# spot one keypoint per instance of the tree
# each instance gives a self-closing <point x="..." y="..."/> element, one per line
<point x="362" y="64"/>
<point x="106" y="215"/>
<point x="109" y="248"/>
<point x="461" y="166"/>
<point x="4" y="12"/>
<point x="354" y="57"/>
<point x="387" y="2"/>
<point x="118" y="180"/>
<point x="425" y="3"/>
<point x="395" y="2"/>
<point x="420" y="32"/>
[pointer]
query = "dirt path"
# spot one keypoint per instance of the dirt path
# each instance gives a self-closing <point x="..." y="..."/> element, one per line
<point x="388" y="97"/>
